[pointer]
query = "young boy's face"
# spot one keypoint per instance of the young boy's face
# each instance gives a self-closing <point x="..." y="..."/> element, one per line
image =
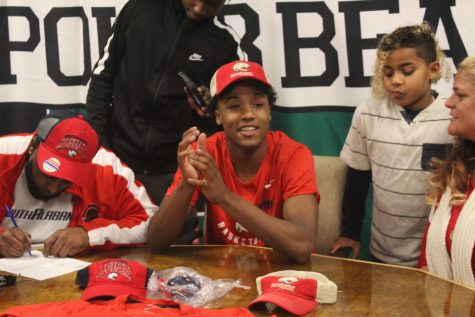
<point x="407" y="78"/>
<point x="244" y="113"/>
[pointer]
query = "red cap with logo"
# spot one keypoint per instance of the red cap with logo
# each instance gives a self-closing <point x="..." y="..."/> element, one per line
<point x="113" y="277"/>
<point x="298" y="292"/>
<point x="234" y="71"/>
<point x="68" y="144"/>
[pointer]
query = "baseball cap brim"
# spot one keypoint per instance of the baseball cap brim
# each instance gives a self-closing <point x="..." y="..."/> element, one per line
<point x="240" y="78"/>
<point x="53" y="165"/>
<point x="114" y="290"/>
<point x="291" y="303"/>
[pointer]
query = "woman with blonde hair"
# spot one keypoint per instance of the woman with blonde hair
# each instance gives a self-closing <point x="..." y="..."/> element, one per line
<point x="449" y="243"/>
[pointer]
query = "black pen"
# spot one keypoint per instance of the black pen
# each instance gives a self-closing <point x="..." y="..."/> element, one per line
<point x="9" y="212"/>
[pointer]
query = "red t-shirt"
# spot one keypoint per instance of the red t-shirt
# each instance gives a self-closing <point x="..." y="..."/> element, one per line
<point x="287" y="170"/>
<point x="139" y="307"/>
<point x="456" y="210"/>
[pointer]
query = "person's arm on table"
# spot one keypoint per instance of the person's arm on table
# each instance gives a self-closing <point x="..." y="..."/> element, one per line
<point x="125" y="210"/>
<point x="354" y="199"/>
<point x="166" y="224"/>
<point x="292" y="236"/>
<point x="126" y="215"/>
<point x="128" y="227"/>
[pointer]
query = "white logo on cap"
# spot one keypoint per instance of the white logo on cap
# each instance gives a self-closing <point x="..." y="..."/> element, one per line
<point x="240" y="67"/>
<point x="51" y="165"/>
<point x="288" y="279"/>
<point x="112" y="276"/>
<point x="72" y="153"/>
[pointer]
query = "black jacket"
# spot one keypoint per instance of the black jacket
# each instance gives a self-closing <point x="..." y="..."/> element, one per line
<point x="136" y="99"/>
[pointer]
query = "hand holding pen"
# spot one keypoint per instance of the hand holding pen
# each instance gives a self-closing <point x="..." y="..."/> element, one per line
<point x="13" y="241"/>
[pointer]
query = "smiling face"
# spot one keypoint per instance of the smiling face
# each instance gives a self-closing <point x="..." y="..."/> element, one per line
<point x="244" y="112"/>
<point x="407" y="78"/>
<point x="462" y="106"/>
<point x="199" y="10"/>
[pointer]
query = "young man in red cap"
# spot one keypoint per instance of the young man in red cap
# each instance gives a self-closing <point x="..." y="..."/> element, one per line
<point x="65" y="192"/>
<point x="259" y="185"/>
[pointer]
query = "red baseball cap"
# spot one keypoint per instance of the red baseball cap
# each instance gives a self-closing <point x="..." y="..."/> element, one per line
<point x="113" y="277"/>
<point x="298" y="292"/>
<point x="68" y="144"/>
<point x="234" y="71"/>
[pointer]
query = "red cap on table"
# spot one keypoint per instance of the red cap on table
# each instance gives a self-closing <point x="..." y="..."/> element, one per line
<point x="298" y="292"/>
<point x="113" y="277"/>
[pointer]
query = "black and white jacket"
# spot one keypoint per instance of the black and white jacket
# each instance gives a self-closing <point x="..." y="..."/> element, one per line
<point x="136" y="99"/>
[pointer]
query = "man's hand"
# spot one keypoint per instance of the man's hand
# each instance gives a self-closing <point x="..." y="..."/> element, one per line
<point x="201" y="111"/>
<point x="66" y="242"/>
<point x="210" y="179"/>
<point x="343" y="242"/>
<point x="14" y="243"/>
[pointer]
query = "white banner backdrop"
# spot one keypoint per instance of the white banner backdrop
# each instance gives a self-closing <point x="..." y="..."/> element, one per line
<point x="317" y="53"/>
<point x="49" y="48"/>
<point x="325" y="48"/>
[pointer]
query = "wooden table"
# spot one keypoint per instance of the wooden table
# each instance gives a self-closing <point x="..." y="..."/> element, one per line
<point x="365" y="289"/>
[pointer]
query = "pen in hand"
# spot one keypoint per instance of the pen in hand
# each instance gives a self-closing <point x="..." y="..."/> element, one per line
<point x="10" y="215"/>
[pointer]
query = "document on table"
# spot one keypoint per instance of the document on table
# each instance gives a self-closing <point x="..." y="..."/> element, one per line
<point x="39" y="267"/>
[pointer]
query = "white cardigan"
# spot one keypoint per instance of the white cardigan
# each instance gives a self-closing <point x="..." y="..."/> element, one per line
<point x="459" y="268"/>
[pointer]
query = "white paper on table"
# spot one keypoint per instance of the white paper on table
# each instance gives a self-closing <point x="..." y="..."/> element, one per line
<point x="39" y="267"/>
